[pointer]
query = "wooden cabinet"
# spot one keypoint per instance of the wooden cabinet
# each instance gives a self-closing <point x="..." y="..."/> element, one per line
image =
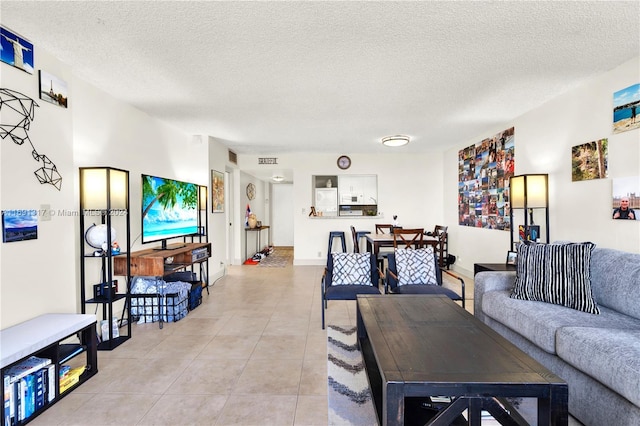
<point x="158" y="263"/>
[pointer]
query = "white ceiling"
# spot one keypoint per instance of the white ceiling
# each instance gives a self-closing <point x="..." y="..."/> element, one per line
<point x="278" y="77"/>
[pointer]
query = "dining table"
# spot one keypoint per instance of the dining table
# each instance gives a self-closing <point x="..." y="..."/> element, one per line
<point x="376" y="241"/>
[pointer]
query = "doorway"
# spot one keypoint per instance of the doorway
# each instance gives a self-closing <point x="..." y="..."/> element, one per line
<point x="282" y="214"/>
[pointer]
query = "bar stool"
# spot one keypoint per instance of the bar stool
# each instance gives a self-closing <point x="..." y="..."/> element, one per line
<point x="359" y="236"/>
<point x="337" y="234"/>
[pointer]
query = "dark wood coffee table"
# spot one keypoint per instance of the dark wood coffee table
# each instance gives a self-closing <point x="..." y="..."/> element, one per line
<point x="427" y="345"/>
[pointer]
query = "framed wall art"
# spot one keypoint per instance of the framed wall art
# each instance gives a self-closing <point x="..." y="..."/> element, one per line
<point x="53" y="89"/>
<point x="626" y="109"/>
<point x="589" y="160"/>
<point x="217" y="192"/>
<point x="626" y="198"/>
<point x="484" y="170"/>
<point x="16" y="51"/>
<point x="19" y="225"/>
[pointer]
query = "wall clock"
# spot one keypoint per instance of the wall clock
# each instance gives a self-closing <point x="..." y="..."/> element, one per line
<point x="251" y="191"/>
<point x="344" y="162"/>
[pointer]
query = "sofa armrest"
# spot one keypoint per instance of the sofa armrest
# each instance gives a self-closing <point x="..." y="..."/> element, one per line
<point x="489" y="281"/>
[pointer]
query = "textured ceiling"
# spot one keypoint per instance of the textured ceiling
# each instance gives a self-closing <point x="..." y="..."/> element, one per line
<point x="278" y="77"/>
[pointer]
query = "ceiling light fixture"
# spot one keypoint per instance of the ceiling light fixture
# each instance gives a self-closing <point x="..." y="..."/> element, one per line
<point x="277" y="178"/>
<point x="397" y="140"/>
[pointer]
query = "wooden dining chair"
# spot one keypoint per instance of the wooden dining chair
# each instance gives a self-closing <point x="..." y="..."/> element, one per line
<point x="408" y="237"/>
<point x="442" y="249"/>
<point x="383" y="228"/>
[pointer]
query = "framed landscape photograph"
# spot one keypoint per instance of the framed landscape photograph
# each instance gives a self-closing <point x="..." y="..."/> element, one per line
<point x="512" y="258"/>
<point x="589" y="160"/>
<point x="19" y="225"/>
<point x="217" y="192"/>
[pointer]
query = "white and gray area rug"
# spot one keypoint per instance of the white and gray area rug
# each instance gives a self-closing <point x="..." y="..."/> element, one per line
<point x="348" y="389"/>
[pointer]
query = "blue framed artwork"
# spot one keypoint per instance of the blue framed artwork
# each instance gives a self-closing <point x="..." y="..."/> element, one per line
<point x="16" y="51"/>
<point x="19" y="225"/>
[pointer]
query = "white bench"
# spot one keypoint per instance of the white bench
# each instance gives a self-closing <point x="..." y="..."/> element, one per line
<point x="28" y="337"/>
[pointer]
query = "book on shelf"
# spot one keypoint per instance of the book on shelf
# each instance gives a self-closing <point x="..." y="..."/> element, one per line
<point x="51" y="382"/>
<point x="28" y="394"/>
<point x="26" y="367"/>
<point x="71" y="378"/>
<point x="7" y="401"/>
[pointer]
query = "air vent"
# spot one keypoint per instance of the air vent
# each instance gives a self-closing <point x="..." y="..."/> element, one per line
<point x="233" y="157"/>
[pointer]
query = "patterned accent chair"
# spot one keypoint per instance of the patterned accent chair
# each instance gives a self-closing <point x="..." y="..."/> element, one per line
<point x="347" y="275"/>
<point x="417" y="272"/>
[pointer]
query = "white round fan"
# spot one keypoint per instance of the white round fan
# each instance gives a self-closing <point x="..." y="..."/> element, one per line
<point x="96" y="236"/>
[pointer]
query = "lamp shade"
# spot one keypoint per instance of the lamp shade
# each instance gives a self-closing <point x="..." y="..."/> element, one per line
<point x="529" y="191"/>
<point x="99" y="183"/>
<point x="202" y="197"/>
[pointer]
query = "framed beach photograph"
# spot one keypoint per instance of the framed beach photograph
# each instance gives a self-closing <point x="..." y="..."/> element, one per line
<point x="512" y="258"/>
<point x="52" y="89"/>
<point x="626" y="109"/>
<point x="217" y="192"/>
<point x="19" y="225"/>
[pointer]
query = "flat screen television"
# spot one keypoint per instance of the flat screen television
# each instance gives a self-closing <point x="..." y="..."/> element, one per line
<point x="169" y="209"/>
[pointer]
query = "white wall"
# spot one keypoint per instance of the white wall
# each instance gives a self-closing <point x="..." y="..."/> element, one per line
<point x="38" y="276"/>
<point x="579" y="211"/>
<point x="408" y="186"/>
<point x="42" y="275"/>
<point x="218" y="224"/>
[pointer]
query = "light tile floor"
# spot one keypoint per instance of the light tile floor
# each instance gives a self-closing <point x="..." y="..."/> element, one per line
<point x="253" y="353"/>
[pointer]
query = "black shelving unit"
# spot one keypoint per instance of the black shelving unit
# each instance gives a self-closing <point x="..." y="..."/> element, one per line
<point x="77" y="348"/>
<point x="111" y="210"/>
<point x="202" y="237"/>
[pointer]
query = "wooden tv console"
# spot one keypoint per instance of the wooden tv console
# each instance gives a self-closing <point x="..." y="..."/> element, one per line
<point x="158" y="263"/>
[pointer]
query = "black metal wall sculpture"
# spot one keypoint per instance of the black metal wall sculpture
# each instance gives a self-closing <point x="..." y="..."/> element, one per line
<point x="17" y="112"/>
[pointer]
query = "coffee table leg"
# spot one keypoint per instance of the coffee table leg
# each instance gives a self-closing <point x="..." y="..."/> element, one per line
<point x="556" y="408"/>
<point x="393" y="404"/>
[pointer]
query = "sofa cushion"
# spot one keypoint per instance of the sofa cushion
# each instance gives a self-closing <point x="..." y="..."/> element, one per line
<point x="539" y="321"/>
<point x="416" y="266"/>
<point x="351" y="268"/>
<point x="612" y="356"/>
<point x="556" y="273"/>
<point x="615" y="280"/>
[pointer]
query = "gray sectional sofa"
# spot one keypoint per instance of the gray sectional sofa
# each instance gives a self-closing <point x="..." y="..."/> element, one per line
<point x="598" y="355"/>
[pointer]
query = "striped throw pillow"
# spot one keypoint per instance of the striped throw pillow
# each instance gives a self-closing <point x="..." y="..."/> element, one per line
<point x="556" y="273"/>
<point x="351" y="268"/>
<point x="416" y="266"/>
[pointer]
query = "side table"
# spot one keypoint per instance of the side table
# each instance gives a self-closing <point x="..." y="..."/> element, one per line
<point x="495" y="267"/>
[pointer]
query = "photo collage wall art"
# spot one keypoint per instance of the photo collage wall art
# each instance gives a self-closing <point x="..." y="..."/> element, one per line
<point x="484" y="170"/>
